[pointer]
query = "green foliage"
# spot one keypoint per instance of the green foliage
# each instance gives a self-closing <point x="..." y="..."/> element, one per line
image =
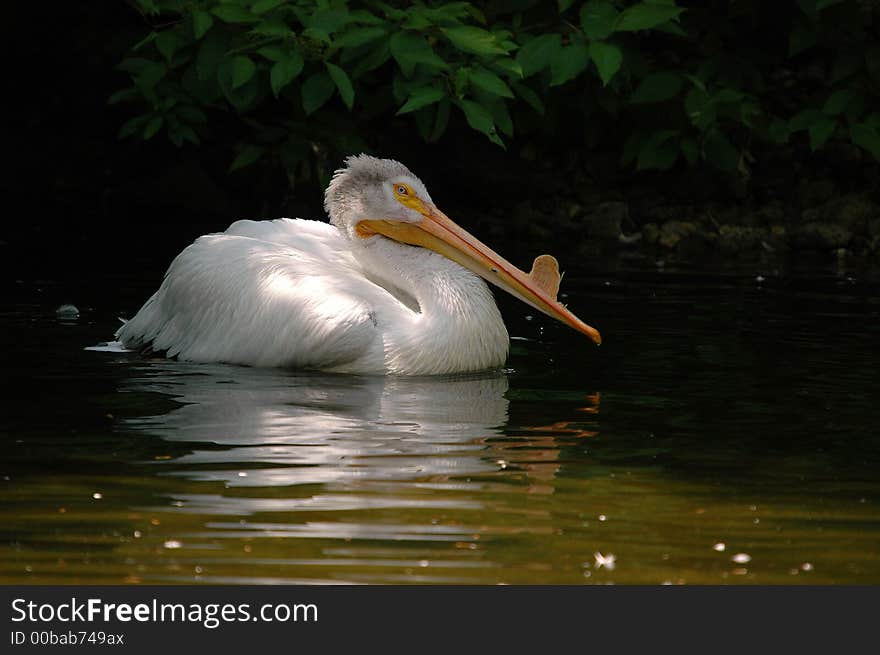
<point x="670" y="83"/>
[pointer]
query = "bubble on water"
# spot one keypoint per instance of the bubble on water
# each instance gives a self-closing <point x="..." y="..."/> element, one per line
<point x="423" y="563"/>
<point x="242" y="474"/>
<point x="719" y="547"/>
<point x="602" y="517"/>
<point x="806" y="566"/>
<point x="172" y="544"/>
<point x="198" y="570"/>
<point x="741" y="558"/>
<point x="608" y="561"/>
<point x="138" y="534"/>
<point x="67" y="311"/>
<point x="97" y="495"/>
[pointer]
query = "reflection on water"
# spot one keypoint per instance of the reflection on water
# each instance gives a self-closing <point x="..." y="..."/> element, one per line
<point x="717" y="437"/>
<point x="288" y="429"/>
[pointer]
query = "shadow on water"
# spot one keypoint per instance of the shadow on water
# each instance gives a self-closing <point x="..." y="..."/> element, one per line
<point x="716" y="437"/>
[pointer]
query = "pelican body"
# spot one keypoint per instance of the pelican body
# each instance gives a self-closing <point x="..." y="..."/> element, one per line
<point x="390" y="286"/>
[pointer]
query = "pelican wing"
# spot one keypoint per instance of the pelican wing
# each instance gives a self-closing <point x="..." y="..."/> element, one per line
<point x="263" y="293"/>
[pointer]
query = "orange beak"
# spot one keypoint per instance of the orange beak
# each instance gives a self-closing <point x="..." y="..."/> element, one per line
<point x="440" y="234"/>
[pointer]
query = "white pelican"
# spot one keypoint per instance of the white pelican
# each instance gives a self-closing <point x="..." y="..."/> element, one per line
<point x="388" y="286"/>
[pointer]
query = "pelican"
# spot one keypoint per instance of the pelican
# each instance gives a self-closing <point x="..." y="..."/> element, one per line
<point x="390" y="286"/>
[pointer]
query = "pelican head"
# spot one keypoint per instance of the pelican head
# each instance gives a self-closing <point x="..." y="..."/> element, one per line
<point x="380" y="198"/>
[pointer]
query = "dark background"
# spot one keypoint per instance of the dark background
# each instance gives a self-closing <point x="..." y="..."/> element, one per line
<point x="82" y="202"/>
<point x="86" y="201"/>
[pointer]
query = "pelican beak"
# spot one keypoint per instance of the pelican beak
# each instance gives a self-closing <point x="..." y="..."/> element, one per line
<point x="439" y="233"/>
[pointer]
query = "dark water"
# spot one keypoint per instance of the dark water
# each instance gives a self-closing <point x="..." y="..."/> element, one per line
<point x="726" y="432"/>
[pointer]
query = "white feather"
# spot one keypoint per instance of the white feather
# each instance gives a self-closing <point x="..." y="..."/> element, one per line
<point x="303" y="294"/>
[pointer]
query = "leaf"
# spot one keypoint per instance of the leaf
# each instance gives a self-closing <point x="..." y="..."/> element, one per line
<point x="167" y="43"/>
<point x="202" y="22"/>
<point x="342" y="82"/>
<point x="211" y="53"/>
<point x="191" y="114"/>
<point x="657" y="87"/>
<point x="248" y="155"/>
<point x="489" y="82"/>
<point x="690" y="150"/>
<point x="646" y="15"/>
<point x="410" y="49"/>
<point x="262" y="6"/>
<point x="379" y="54"/>
<point x="866" y="137"/>
<point x="122" y="95"/>
<point x="135" y="65"/>
<point x="660" y="157"/>
<point x="820" y="132"/>
<point x="536" y="54"/>
<point x="720" y="152"/>
<point x="801" y="38"/>
<point x="359" y="36"/>
<point x="531" y="98"/>
<point x="417" y="20"/>
<point x="241" y="97"/>
<point x="273" y="52"/>
<point x="131" y="126"/>
<point x="802" y="120"/>
<point x="232" y="13"/>
<point x="316" y="91"/>
<point x="272" y="28"/>
<point x="152" y="126"/>
<point x="598" y="18"/>
<point x="479" y="119"/>
<point x="450" y="12"/>
<point x="285" y="70"/>
<point x="509" y="66"/>
<point x="632" y="146"/>
<point x="658" y="151"/>
<point x="728" y="96"/>
<point x="328" y="20"/>
<point x="607" y="58"/>
<point x="778" y="131"/>
<point x="698" y="107"/>
<point x="441" y="121"/>
<point x="473" y="40"/>
<point x="421" y="97"/>
<point x="501" y="116"/>
<point x="149" y="38"/>
<point x="837" y="102"/>
<point x="568" y="62"/>
<point x="149" y="76"/>
<point x="243" y="70"/>
<point x="188" y="134"/>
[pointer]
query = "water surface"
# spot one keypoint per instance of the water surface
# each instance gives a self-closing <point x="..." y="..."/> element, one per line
<point x="726" y="432"/>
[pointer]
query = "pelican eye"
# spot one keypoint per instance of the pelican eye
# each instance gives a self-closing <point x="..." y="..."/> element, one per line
<point x="402" y="190"/>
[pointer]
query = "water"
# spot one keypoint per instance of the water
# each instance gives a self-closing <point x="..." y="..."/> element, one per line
<point x="726" y="432"/>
